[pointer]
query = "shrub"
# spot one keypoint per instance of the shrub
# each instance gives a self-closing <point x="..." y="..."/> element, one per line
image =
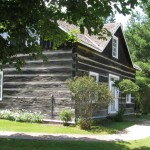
<point x="88" y="96"/>
<point x="126" y="86"/>
<point x="85" y="123"/>
<point x="66" y="116"/>
<point x="120" y="116"/>
<point x="21" y="116"/>
<point x="7" y="114"/>
<point x="143" y="95"/>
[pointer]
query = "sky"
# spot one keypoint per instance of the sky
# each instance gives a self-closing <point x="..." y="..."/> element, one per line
<point x="124" y="19"/>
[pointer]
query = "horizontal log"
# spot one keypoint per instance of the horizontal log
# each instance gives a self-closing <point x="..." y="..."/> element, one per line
<point x="37" y="77"/>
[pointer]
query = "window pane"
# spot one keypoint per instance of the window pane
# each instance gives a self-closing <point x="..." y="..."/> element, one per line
<point x="128" y="98"/>
<point x="114" y="47"/>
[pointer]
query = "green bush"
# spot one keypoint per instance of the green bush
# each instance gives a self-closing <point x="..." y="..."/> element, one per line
<point x="66" y="116"/>
<point x="88" y="96"/>
<point x="143" y="97"/>
<point x="21" y="116"/>
<point x="119" y="116"/>
<point x="85" y="123"/>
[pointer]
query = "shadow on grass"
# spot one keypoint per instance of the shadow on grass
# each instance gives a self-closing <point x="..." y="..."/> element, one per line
<point x="142" y="148"/>
<point x="17" y="144"/>
<point x="23" y="144"/>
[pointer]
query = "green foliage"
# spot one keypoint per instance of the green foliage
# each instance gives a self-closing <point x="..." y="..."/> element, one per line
<point x="27" y="20"/>
<point x="127" y="86"/>
<point x="84" y="123"/>
<point x="20" y="116"/>
<point x="145" y="5"/>
<point x="88" y="95"/>
<point x="72" y="36"/>
<point x="143" y="81"/>
<point x="120" y="116"/>
<point x="145" y="72"/>
<point x="66" y="116"/>
<point x="138" y="35"/>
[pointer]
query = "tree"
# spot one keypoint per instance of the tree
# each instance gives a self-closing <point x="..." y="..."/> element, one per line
<point x="145" y="5"/>
<point x="24" y="21"/>
<point x="125" y="86"/>
<point x="143" y="81"/>
<point x="138" y="35"/>
<point x="110" y="19"/>
<point x="88" y="95"/>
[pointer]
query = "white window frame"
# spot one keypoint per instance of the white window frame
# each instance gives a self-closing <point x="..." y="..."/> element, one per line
<point x="115" y="48"/>
<point x="95" y="75"/>
<point x="117" y="95"/>
<point x="1" y="85"/>
<point x="128" y="98"/>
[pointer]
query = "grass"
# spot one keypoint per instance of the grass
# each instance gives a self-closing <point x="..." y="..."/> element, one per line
<point x="17" y="144"/>
<point x="106" y="128"/>
<point x="147" y="117"/>
<point x="103" y="127"/>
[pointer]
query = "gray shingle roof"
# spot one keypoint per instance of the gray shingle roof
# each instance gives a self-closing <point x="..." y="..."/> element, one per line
<point x="92" y="41"/>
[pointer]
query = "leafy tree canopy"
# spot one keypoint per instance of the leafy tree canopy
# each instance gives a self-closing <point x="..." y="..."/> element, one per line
<point x="127" y="86"/>
<point x="138" y="35"/>
<point x="24" y="20"/>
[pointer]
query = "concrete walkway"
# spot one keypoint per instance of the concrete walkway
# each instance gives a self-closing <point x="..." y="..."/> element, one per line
<point x="135" y="132"/>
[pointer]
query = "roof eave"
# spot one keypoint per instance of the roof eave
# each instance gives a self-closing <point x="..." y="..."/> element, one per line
<point x="137" y="67"/>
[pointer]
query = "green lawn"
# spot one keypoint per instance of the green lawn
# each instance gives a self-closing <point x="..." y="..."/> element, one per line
<point x="147" y="117"/>
<point x="137" y="119"/>
<point x="15" y="144"/>
<point x="107" y="128"/>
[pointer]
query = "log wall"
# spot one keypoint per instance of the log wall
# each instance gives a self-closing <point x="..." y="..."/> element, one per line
<point x="40" y="86"/>
<point x="90" y="60"/>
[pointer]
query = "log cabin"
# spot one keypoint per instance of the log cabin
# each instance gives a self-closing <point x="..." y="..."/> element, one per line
<point x="41" y="86"/>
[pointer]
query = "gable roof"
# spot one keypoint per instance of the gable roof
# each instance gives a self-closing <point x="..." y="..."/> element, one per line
<point x="93" y="41"/>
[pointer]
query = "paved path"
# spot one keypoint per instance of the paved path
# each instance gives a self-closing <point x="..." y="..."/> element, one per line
<point x="135" y="132"/>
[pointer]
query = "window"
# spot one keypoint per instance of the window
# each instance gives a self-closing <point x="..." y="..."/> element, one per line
<point x="113" y="107"/>
<point x="46" y="44"/>
<point x="128" y="98"/>
<point x="1" y="84"/>
<point x="115" y="47"/>
<point x="95" y="75"/>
